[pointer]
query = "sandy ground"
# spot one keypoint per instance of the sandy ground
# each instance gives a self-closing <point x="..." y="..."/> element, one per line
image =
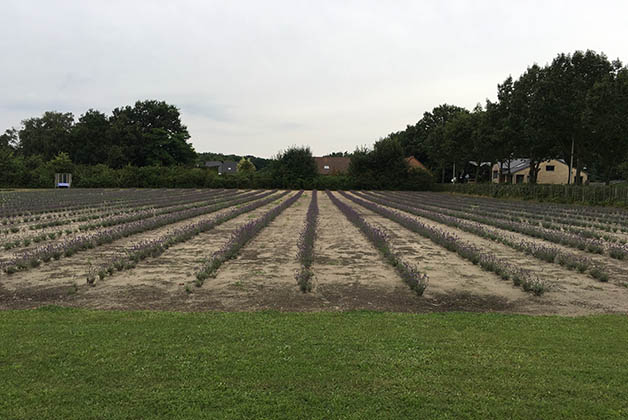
<point x="25" y="232"/>
<point x="349" y="274"/>
<point x="571" y="293"/>
<point x="70" y="270"/>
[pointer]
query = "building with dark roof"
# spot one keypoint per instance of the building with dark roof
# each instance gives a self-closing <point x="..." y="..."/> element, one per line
<point x="226" y="167"/>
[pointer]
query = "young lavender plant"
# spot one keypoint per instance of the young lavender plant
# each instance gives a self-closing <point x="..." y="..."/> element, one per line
<point x="305" y="245"/>
<point x="411" y="275"/>
<point x="239" y="238"/>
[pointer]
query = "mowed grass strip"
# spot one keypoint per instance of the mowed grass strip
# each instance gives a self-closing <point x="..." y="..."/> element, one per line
<point x="79" y="364"/>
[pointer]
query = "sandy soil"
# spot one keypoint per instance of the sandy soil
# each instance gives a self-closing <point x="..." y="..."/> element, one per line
<point x="571" y="293"/>
<point x="448" y="272"/>
<point x="617" y="269"/>
<point x="6" y="255"/>
<point x="349" y="274"/>
<point x="170" y="274"/>
<point x="70" y="270"/>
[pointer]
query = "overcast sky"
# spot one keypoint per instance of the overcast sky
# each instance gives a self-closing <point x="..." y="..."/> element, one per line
<point x="254" y="77"/>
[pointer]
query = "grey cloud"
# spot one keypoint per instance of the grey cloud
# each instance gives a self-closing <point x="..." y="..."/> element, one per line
<point x="254" y="77"/>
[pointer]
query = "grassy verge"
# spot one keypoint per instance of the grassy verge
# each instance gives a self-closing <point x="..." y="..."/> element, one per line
<point x="70" y="363"/>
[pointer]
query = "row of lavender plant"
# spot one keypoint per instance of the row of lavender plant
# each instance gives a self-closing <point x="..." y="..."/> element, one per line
<point x="546" y="253"/>
<point x="156" y="247"/>
<point x="239" y="238"/>
<point x="604" y="214"/>
<point x="526" y="215"/>
<point x="152" y="212"/>
<point x="586" y="240"/>
<point x="16" y="204"/>
<point x="26" y="240"/>
<point x="563" y="238"/>
<point x="305" y="245"/>
<point x="580" y="215"/>
<point x="102" y="210"/>
<point x="410" y="274"/>
<point x="488" y="261"/>
<point x="32" y="258"/>
<point x="51" y="214"/>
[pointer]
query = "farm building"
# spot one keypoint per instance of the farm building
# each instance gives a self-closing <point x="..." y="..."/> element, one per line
<point x="554" y="171"/>
<point x="226" y="167"/>
<point x="332" y="165"/>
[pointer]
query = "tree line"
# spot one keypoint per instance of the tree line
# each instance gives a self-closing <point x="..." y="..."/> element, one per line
<point x="574" y="108"/>
<point x="147" y="133"/>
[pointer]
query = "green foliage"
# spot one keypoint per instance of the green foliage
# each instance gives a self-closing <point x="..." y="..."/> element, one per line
<point x="579" y="194"/>
<point x="92" y="140"/>
<point x="62" y="163"/>
<point x="46" y="135"/>
<point x="384" y="167"/>
<point x="294" y="167"/>
<point x="151" y="133"/>
<point x="245" y="166"/>
<point x="148" y="133"/>
<point x="578" y="99"/>
<point x="9" y="140"/>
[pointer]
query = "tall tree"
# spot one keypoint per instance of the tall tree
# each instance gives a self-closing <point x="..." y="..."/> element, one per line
<point x="439" y="149"/>
<point x="47" y="135"/>
<point x="568" y="79"/>
<point x="294" y="166"/>
<point x="606" y="117"/>
<point x="9" y="140"/>
<point x="151" y="133"/>
<point x="530" y="119"/>
<point x="91" y="139"/>
<point x="498" y="120"/>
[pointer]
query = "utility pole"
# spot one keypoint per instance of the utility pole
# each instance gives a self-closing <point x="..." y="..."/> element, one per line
<point x="570" y="163"/>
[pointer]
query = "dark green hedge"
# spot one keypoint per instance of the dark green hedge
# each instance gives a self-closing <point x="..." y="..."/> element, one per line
<point x="41" y="175"/>
<point x="584" y="194"/>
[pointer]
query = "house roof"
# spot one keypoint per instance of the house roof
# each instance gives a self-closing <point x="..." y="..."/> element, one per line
<point x="516" y="165"/>
<point x="212" y="163"/>
<point x="414" y="163"/>
<point x="332" y="165"/>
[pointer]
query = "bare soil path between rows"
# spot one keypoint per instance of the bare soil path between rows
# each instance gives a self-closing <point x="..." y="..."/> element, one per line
<point x="70" y="270"/>
<point x="571" y="293"/>
<point x="448" y="273"/>
<point x="164" y="279"/>
<point x="617" y="269"/>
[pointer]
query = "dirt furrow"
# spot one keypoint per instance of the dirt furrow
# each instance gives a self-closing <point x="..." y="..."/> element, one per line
<point x="449" y="273"/>
<point x="571" y="293"/>
<point x="70" y="270"/>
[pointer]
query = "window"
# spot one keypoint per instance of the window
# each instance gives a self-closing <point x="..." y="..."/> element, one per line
<point x="326" y="167"/>
<point x="519" y="179"/>
<point x="495" y="174"/>
<point x="549" y="168"/>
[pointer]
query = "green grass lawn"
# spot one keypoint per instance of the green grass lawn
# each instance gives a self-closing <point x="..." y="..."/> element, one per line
<point x="69" y="363"/>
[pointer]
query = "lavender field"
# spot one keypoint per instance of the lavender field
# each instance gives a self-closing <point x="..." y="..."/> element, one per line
<point x="211" y="249"/>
